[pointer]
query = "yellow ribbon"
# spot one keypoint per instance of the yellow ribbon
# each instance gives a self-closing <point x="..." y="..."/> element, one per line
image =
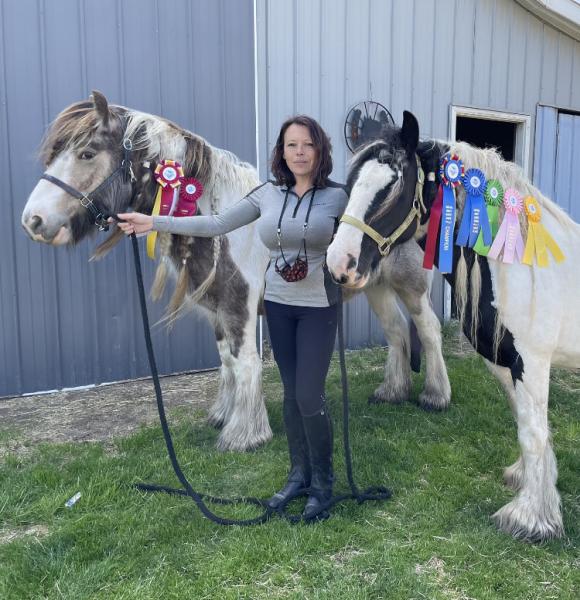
<point x="152" y="237"/>
<point x="539" y="240"/>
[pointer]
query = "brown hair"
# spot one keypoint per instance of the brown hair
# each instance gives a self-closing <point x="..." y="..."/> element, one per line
<point x="323" y="147"/>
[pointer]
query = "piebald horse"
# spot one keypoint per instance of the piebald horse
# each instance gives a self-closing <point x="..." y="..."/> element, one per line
<point x="84" y="148"/>
<point x="521" y="319"/>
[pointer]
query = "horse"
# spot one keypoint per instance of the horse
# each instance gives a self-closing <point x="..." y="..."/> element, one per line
<point x="519" y="318"/>
<point x="100" y="159"/>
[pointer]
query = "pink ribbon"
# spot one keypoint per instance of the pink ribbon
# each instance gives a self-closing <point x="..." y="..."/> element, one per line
<point x="509" y="236"/>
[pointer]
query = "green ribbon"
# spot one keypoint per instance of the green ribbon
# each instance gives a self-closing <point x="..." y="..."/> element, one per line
<point x="493" y="216"/>
<point x="493" y="198"/>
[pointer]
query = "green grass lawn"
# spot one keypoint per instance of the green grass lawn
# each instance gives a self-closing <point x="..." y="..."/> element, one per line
<point x="434" y="538"/>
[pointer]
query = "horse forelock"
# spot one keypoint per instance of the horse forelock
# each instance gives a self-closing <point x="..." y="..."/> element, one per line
<point x="78" y="126"/>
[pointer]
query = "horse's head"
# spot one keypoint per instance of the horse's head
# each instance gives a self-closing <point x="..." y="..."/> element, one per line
<point x="381" y="181"/>
<point x="81" y="149"/>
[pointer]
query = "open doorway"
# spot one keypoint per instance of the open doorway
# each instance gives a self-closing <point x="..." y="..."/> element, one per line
<point x="487" y="134"/>
<point x="508" y="132"/>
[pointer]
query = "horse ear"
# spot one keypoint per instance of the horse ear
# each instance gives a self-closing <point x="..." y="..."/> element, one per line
<point x="410" y="132"/>
<point x="101" y="106"/>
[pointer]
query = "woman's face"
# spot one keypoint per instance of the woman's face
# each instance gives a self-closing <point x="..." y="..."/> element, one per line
<point x="300" y="153"/>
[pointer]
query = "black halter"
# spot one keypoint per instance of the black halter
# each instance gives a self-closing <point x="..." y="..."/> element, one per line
<point x="98" y="212"/>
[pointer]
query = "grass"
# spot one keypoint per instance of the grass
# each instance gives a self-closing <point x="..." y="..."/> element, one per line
<point x="433" y="539"/>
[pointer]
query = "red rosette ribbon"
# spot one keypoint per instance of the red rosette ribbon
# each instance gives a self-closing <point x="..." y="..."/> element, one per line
<point x="168" y="174"/>
<point x="190" y="191"/>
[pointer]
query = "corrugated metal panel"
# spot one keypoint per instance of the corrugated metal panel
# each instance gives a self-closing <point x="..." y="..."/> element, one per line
<point x="65" y="322"/>
<point x="567" y="162"/>
<point x="420" y="55"/>
<point x="546" y="140"/>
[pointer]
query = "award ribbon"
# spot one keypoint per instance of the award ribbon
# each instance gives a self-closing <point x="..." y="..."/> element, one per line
<point x="451" y="173"/>
<point x="168" y="175"/>
<point x="433" y="229"/>
<point x="493" y="195"/>
<point x="189" y="192"/>
<point x="539" y="240"/>
<point x="474" y="214"/>
<point x="509" y="236"/>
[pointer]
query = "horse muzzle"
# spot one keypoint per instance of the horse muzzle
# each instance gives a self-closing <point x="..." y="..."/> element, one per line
<point x="46" y="232"/>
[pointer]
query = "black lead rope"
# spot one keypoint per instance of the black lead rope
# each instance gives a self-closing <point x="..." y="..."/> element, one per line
<point x="371" y="493"/>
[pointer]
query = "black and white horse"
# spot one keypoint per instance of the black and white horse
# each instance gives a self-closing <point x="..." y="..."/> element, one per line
<point x="225" y="276"/>
<point x="520" y="318"/>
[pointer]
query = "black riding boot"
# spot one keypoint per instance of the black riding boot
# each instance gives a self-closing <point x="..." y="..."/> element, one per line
<point x="318" y="429"/>
<point x="299" y="476"/>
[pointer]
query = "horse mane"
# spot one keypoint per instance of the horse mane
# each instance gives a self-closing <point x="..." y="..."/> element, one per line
<point x="225" y="178"/>
<point x="218" y="170"/>
<point x="509" y="174"/>
<point x="468" y="281"/>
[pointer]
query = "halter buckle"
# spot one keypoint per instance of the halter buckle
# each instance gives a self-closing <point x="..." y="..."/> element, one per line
<point x="85" y="201"/>
<point x="385" y="247"/>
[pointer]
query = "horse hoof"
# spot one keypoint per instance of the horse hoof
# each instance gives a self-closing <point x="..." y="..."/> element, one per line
<point x="433" y="401"/>
<point x="388" y="394"/>
<point x="519" y="520"/>
<point x="229" y="441"/>
<point x="376" y="399"/>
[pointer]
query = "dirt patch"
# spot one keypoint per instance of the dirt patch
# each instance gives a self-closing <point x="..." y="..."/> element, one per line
<point x="99" y="413"/>
<point x="7" y="536"/>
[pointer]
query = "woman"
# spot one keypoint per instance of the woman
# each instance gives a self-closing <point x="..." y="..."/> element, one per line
<point x="297" y="216"/>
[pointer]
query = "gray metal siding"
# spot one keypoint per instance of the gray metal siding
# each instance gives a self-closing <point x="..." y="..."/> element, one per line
<point x="567" y="164"/>
<point x="322" y="56"/>
<point x="64" y="321"/>
<point x="558" y="157"/>
<point x="545" y="149"/>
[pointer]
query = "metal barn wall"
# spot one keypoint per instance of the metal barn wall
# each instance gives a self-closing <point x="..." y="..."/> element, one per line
<point x="558" y="135"/>
<point x="64" y="321"/>
<point x="321" y="57"/>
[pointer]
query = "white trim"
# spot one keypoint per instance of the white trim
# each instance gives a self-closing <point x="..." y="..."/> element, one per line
<point x="521" y="153"/>
<point x="564" y="15"/>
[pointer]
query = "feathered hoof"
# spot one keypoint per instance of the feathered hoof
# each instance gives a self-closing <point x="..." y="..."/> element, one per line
<point x="430" y="400"/>
<point x="389" y="395"/>
<point x="522" y="522"/>
<point x="513" y="475"/>
<point x="241" y="440"/>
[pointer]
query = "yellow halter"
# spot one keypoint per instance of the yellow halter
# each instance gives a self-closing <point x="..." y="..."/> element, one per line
<point x="385" y="243"/>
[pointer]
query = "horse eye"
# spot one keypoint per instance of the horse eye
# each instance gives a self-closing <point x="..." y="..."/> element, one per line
<point x="87" y="155"/>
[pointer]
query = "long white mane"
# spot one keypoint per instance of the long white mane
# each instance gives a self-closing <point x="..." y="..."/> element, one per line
<point x="509" y="174"/>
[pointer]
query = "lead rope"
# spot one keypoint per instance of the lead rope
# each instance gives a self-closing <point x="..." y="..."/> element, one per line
<point x="371" y="493"/>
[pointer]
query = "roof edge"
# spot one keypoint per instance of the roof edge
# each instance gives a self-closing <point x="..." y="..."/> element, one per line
<point x="564" y="15"/>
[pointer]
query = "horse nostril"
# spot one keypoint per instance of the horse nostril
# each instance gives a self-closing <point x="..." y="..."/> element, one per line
<point x="35" y="223"/>
<point x="343" y="279"/>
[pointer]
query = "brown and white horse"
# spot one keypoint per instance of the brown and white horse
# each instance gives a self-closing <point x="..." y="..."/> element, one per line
<point x="520" y="318"/>
<point x="84" y="146"/>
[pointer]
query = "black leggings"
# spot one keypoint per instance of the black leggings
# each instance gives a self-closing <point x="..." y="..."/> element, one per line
<point x="302" y="341"/>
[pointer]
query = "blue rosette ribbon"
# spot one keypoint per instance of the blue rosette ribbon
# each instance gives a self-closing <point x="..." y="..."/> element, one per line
<point x="451" y="172"/>
<point x="474" y="212"/>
